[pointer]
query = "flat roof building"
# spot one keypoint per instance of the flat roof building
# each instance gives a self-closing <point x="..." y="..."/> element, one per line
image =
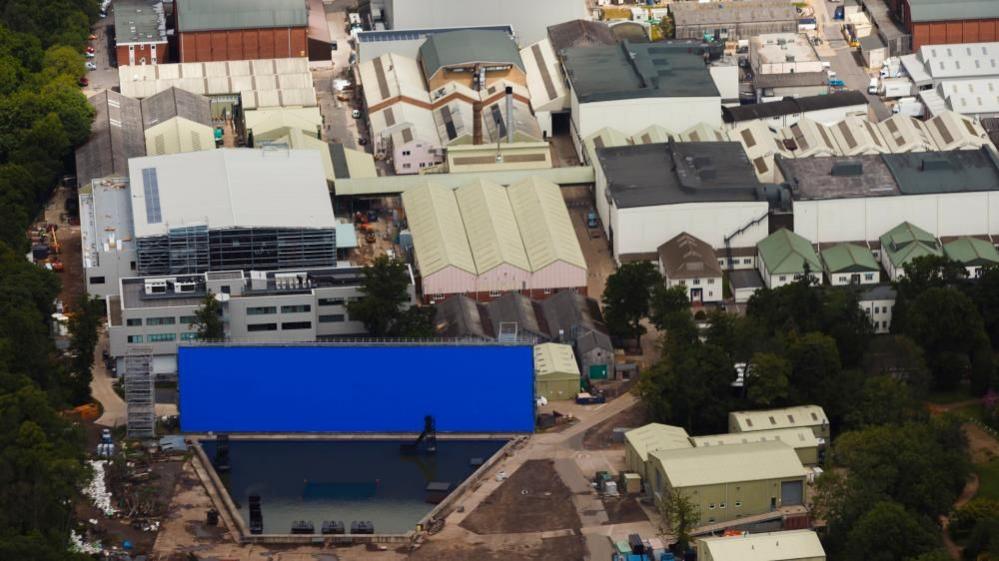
<point x="802" y="416"/>
<point x="241" y="29"/>
<point x="791" y="545"/>
<point x="140" y="32"/>
<point x="731" y="19"/>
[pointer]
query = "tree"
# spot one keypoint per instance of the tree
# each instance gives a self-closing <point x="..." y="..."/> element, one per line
<point x="900" y="358"/>
<point x="626" y="298"/>
<point x="208" y="319"/>
<point x="385" y="307"/>
<point x="665" y="303"/>
<point x="985" y="294"/>
<point x="688" y="388"/>
<point x="767" y="379"/>
<point x="816" y="374"/>
<point x="890" y="533"/>
<point x="83" y="326"/>
<point x="679" y="516"/>
<point x="883" y="400"/>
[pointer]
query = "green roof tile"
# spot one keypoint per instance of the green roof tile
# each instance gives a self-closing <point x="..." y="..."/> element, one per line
<point x="905" y="242"/>
<point x="202" y="15"/>
<point x="849" y="258"/>
<point x="467" y="46"/>
<point x="972" y="251"/>
<point x="785" y="253"/>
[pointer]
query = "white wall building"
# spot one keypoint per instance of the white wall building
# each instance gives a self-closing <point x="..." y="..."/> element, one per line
<point x="689" y="262"/>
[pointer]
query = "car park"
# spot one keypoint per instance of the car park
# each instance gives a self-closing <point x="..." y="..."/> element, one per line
<point x="91" y="66"/>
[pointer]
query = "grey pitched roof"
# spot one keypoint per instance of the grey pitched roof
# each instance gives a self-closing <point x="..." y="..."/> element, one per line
<point x="794" y="79"/>
<point x="686" y="257"/>
<point x="514" y="307"/>
<point x="732" y="12"/>
<point x="580" y="33"/>
<point x="467" y="46"/>
<point x="950" y="10"/>
<point x="458" y="317"/>
<point x="571" y="314"/>
<point x="593" y="339"/>
<point x="175" y="102"/>
<point x="205" y="15"/>
<point x="116" y="136"/>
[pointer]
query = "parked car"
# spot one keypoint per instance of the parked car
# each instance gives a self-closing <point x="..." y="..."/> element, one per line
<point x="91" y="66"/>
<point x="92" y="37"/>
<point x="89" y="55"/>
<point x="91" y="50"/>
<point x="84" y="82"/>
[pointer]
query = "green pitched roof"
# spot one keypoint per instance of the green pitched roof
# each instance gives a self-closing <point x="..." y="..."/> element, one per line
<point x="202" y="15"/>
<point x="972" y="251"/>
<point x="905" y="242"/>
<point x="785" y="252"/>
<point x="849" y="258"/>
<point x="467" y="46"/>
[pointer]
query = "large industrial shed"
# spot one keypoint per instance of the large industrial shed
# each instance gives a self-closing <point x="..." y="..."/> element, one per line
<point x="483" y="239"/>
<point x="933" y="22"/>
<point x="241" y="29"/>
<point x="792" y="545"/>
<point x="952" y="193"/>
<point x="732" y="19"/>
<point x="729" y="482"/>
<point x="556" y="374"/>
<point x="177" y="121"/>
<point x="549" y="93"/>
<point x="803" y="440"/>
<point x="640" y="442"/>
<point x="631" y="86"/>
<point x="802" y="416"/>
<point x="648" y="194"/>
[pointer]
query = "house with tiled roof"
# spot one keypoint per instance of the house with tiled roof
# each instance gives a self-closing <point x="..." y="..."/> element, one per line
<point x="850" y="263"/>
<point x="783" y="257"/>
<point x="904" y="243"/>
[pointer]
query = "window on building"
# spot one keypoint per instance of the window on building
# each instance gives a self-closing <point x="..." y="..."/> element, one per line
<point x="738" y="504"/>
<point x="161" y="337"/>
<point x="161" y="321"/>
<point x="188" y="320"/>
<point x="749" y="422"/>
<point x="192" y="336"/>
<point x="96" y="280"/>
<point x="773" y="421"/>
<point x="332" y="318"/>
<point x="261" y="327"/>
<point x="296" y="309"/>
<point x="134" y="338"/>
<point x="332" y="301"/>
<point x="406" y="166"/>
<point x="790" y="418"/>
<point x="296" y="325"/>
<point x="547" y="291"/>
<point x="877" y="310"/>
<point x="682" y="283"/>
<point x="721" y="505"/>
<point x="133" y="322"/>
<point x="782" y="278"/>
<point x="406" y="152"/>
<point x="711" y="520"/>
<point x="261" y="310"/>
<point x="132" y="265"/>
<point x="495" y="294"/>
<point x="747" y="261"/>
<point x="224" y="289"/>
<point x="711" y="506"/>
<point x="697" y="281"/>
<point x="711" y="281"/>
<point x="868" y="276"/>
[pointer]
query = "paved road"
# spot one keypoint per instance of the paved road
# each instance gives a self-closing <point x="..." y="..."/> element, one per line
<point x="845" y="61"/>
<point x="102" y="390"/>
<point x="106" y="75"/>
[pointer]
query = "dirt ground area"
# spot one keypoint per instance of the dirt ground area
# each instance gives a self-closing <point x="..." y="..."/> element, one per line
<point x="601" y="437"/>
<point x="623" y="510"/>
<point x="69" y="242"/>
<point x="533" y="499"/>
<point x="562" y="548"/>
<point x="982" y="447"/>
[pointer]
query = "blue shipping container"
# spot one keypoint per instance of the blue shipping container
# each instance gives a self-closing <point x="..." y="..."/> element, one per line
<point x="376" y="388"/>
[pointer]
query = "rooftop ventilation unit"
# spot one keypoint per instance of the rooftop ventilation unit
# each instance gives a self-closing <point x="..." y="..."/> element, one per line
<point x="931" y="164"/>
<point x="848" y="168"/>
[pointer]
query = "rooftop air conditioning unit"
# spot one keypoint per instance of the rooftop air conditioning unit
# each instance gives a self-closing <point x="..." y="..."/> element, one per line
<point x="155" y="286"/>
<point x="185" y="287"/>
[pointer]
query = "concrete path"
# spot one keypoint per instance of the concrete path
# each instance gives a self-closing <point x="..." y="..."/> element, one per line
<point x="102" y="390"/>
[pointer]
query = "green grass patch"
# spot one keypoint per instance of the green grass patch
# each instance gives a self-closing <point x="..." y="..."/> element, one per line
<point x="970" y="412"/>
<point x="988" y="479"/>
<point x="950" y="396"/>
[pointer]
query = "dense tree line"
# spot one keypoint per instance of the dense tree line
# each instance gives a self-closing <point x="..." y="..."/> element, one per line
<point x="43" y="116"/>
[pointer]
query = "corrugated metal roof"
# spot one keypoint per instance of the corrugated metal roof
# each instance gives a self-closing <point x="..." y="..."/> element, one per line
<point x="439" y="238"/>
<point x="795" y="437"/>
<point x="264" y="121"/>
<point x="553" y="359"/>
<point x="785" y="252"/>
<point x="951" y="10"/>
<point x="788" y="417"/>
<point x="972" y="251"/>
<point x="544" y="76"/>
<point x="687" y="257"/>
<point x="849" y="258"/>
<point x="468" y="46"/>
<point x="656" y="436"/>
<point x="755" y="461"/>
<point x="651" y="134"/>
<point x="392" y="75"/>
<point x="952" y="131"/>
<point x="772" y="546"/>
<point x="491" y="226"/>
<point x="139" y="21"/>
<point x="544" y="223"/>
<point x="200" y="15"/>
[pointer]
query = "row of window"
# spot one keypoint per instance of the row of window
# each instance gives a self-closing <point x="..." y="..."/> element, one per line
<point x="162" y="337"/>
<point x="746" y="261"/>
<point x="333" y="301"/>
<point x="695" y="282"/>
<point x="711" y="506"/>
<point x="184" y="320"/>
<point x="288" y="325"/>
<point x="267" y="310"/>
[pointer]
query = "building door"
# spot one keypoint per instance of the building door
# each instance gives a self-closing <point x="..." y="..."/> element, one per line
<point x="791" y="493"/>
<point x="697" y="295"/>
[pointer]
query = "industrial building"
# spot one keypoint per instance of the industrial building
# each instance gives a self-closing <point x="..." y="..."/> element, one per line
<point x="825" y="109"/>
<point x="653" y="437"/>
<point x="956" y="77"/>
<point x="477" y="58"/>
<point x="803" y="440"/>
<point x="207" y="211"/>
<point x="241" y="30"/>
<point x="850" y="264"/>
<point x="729" y="20"/>
<point x="483" y="239"/>
<point x="156" y="314"/>
<point x="688" y="261"/>
<point x="530" y="19"/>
<point x="791" y="545"/>
<point x="580" y="33"/>
<point x="556" y="374"/>
<point x="140" y="32"/>
<point x="904" y="243"/>
<point x="950" y="193"/>
<point x="935" y="22"/>
<point x="177" y="121"/>
<point x="729" y="482"/>
<point x="549" y="92"/>
<point x="631" y="86"/>
<point x="784" y="257"/>
<point x="247" y="84"/>
<point x="804" y="416"/>
<point x="406" y="42"/>
<point x="648" y="194"/>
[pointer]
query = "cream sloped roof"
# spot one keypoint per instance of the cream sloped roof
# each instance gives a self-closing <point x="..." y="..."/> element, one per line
<point x="755" y="461"/>
<point x="544" y="223"/>
<point x="657" y="436"/>
<point x="491" y="227"/>
<point x="554" y="358"/>
<point x="796" y="437"/>
<point x="650" y="135"/>
<point x="392" y="75"/>
<point x="788" y="417"/>
<point x="770" y="546"/>
<point x="438" y="230"/>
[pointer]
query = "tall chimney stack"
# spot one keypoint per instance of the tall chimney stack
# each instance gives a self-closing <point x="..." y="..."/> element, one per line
<point x="509" y="114"/>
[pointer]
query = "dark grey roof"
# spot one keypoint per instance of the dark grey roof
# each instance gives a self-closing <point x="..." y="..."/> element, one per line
<point x="745" y="278"/>
<point x="678" y="172"/>
<point x="685" y="257"/>
<point x="732" y="12"/>
<point x="115" y="136"/>
<point x="341" y="170"/>
<point x="884" y="175"/>
<point x="871" y="42"/>
<point x="468" y="46"/>
<point x="792" y="106"/>
<point x="212" y="15"/>
<point x="139" y="21"/>
<point x="175" y="102"/>
<point x="571" y="314"/>
<point x="580" y="33"/>
<point x="591" y="339"/>
<point x="458" y="317"/>
<point x="515" y="308"/>
<point x="879" y="292"/>
<point x="790" y="80"/>
<point x="630" y="71"/>
<point x="951" y="10"/>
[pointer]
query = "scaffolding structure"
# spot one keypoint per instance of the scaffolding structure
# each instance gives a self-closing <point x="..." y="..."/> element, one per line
<point x="140" y="399"/>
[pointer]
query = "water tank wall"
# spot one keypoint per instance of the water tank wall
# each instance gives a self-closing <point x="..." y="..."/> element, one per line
<point x="377" y="388"/>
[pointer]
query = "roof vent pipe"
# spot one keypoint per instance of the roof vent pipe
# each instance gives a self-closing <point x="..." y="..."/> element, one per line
<point x="509" y="114"/>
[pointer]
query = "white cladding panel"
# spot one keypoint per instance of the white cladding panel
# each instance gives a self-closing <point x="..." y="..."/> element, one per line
<point x="644" y="229"/>
<point x="630" y="116"/>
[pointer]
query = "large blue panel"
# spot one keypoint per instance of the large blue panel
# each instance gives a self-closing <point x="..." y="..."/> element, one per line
<point x="356" y="388"/>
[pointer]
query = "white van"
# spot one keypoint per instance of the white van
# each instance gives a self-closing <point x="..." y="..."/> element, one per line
<point x="872" y="88"/>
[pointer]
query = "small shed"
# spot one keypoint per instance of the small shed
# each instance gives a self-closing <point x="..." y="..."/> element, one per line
<point x="874" y="51"/>
<point x="556" y="374"/>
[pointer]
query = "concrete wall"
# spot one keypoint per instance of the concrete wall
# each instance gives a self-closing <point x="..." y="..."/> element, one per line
<point x="243" y="44"/>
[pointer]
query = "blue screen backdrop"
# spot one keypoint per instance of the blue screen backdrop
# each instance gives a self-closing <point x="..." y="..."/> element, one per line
<point x="356" y="388"/>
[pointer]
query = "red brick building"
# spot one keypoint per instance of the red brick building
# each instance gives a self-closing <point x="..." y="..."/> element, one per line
<point x="140" y="32"/>
<point x="241" y="29"/>
<point x="937" y="22"/>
